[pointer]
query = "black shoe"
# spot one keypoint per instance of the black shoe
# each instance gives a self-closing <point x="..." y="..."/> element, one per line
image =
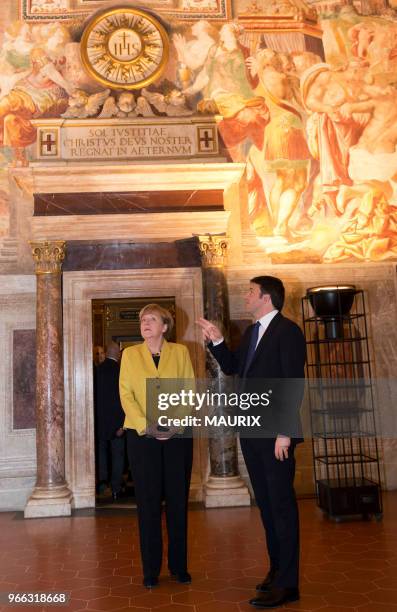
<point x="267" y="583"/>
<point x="118" y="495"/>
<point x="275" y="597"/>
<point x="182" y="577"/>
<point x="150" y="582"/>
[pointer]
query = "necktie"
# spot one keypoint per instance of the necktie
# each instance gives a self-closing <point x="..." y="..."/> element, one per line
<point x="252" y="346"/>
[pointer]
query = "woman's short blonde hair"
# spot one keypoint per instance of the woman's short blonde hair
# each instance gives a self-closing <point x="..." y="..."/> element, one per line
<point x="163" y="313"/>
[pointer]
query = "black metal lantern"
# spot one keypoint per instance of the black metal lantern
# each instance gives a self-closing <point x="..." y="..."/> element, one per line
<point x="341" y="401"/>
<point x="332" y="303"/>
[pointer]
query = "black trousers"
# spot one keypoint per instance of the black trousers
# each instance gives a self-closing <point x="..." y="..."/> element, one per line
<point x="117" y="450"/>
<point x="273" y="484"/>
<point x="161" y="470"/>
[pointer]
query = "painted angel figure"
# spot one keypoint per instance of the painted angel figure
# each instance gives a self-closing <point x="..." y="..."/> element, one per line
<point x="172" y="104"/>
<point x="81" y="105"/>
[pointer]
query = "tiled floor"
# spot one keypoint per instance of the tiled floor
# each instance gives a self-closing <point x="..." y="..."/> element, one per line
<point x="345" y="566"/>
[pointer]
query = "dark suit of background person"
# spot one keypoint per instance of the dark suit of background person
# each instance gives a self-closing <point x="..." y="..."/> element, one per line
<point x="160" y="461"/>
<point x="109" y="419"/>
<point x="280" y="353"/>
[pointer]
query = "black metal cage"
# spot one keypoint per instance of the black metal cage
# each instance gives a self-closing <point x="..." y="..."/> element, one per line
<point x="341" y="402"/>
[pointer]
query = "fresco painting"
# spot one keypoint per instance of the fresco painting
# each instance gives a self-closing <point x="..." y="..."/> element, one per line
<point x="35" y="10"/>
<point x="317" y="132"/>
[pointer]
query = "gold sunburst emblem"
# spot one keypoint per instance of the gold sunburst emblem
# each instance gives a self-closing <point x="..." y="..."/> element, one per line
<point x="124" y="48"/>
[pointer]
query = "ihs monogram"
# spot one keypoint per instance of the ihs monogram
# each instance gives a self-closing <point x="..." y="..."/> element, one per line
<point x="125" y="48"/>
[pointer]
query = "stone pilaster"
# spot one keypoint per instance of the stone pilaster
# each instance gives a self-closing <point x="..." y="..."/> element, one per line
<point x="51" y="496"/>
<point x="224" y="486"/>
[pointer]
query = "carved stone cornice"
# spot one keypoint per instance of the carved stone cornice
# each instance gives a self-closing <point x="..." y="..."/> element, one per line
<point x="48" y="256"/>
<point x="213" y="249"/>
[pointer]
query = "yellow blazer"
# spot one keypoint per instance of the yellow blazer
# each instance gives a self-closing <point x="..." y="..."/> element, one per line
<point x="137" y="366"/>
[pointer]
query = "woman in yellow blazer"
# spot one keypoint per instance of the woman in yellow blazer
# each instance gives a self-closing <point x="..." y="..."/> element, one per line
<point x="160" y="458"/>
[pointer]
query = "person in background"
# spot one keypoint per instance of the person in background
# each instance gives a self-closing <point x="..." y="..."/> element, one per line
<point x="109" y="420"/>
<point x="160" y="457"/>
<point x="99" y="355"/>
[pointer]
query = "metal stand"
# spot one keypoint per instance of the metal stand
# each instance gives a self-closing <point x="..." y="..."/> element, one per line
<point x="341" y="400"/>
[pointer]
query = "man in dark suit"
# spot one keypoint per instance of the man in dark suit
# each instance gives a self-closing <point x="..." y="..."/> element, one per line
<point x="271" y="349"/>
<point x="109" y="419"/>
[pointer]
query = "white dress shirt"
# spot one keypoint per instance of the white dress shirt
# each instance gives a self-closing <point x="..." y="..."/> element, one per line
<point x="264" y="321"/>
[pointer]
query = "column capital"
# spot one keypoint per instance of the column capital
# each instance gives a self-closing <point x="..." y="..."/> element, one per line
<point x="48" y="256"/>
<point x="213" y="249"/>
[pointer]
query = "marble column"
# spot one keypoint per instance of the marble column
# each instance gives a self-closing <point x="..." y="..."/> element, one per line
<point x="224" y="487"/>
<point x="51" y="496"/>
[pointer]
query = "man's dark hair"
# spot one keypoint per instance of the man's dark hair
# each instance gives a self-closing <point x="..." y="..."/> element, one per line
<point x="272" y="286"/>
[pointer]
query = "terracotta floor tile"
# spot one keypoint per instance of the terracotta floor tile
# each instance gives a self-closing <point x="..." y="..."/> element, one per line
<point x="244" y="606"/>
<point x="80" y="565"/>
<point x="152" y="598"/>
<point x="234" y="594"/>
<point x="91" y="592"/>
<point x="105" y="556"/>
<point x="95" y="572"/>
<point x="356" y="586"/>
<point x="364" y="574"/>
<point x="68" y="584"/>
<point x="226" y="574"/>
<point x="379" y="564"/>
<point x="333" y="566"/>
<point x="112" y="563"/>
<point x="324" y="609"/>
<point x="378" y="607"/>
<point x="7" y="586"/>
<point x="337" y="598"/>
<point x="35" y="585"/>
<point x="211" y="584"/>
<point x="73" y="605"/>
<point x="112" y="581"/>
<point x="259" y="571"/>
<point x="218" y="606"/>
<point x="128" y="570"/>
<point x="193" y="597"/>
<point x="49" y="573"/>
<point x="16" y="575"/>
<point x="109" y="603"/>
<point x="317" y="588"/>
<point x="198" y="574"/>
<point x="325" y="577"/>
<point x="387" y="596"/>
<point x="176" y="608"/>
<point x="238" y="563"/>
<point x="345" y="567"/>
<point x="388" y="582"/>
<point x="127" y="590"/>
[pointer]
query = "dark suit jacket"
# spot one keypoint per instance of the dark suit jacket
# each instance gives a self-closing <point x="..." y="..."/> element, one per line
<point x="109" y="413"/>
<point x="279" y="365"/>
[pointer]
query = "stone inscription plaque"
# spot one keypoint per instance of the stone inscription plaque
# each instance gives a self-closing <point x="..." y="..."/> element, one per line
<point x="77" y="140"/>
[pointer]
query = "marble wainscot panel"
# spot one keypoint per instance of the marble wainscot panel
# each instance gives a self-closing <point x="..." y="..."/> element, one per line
<point x="127" y="256"/>
<point x="24" y="379"/>
<point x="17" y="433"/>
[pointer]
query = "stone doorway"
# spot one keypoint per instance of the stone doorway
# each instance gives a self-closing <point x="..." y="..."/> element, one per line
<point x="79" y="289"/>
